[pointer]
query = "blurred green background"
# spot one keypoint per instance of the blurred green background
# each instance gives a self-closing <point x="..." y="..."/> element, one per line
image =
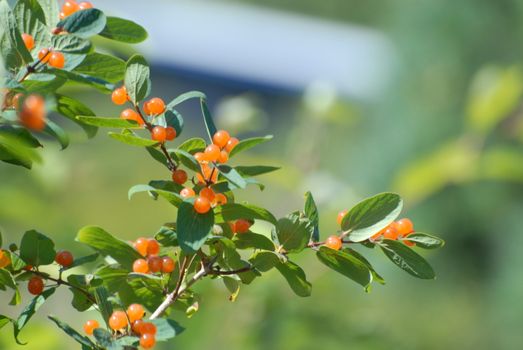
<point x="445" y="132"/>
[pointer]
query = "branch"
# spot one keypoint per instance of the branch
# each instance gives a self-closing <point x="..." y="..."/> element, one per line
<point x="60" y="281"/>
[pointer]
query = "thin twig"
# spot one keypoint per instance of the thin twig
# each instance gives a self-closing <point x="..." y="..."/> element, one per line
<point x="60" y="281"/>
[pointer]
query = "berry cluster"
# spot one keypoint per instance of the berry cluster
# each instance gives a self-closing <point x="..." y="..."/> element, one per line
<point x="397" y="230"/>
<point x="150" y="248"/>
<point x="51" y="57"/>
<point x="36" y="284"/>
<point x="70" y="6"/>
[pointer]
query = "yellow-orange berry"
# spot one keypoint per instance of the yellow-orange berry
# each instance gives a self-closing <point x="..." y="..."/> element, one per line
<point x="407" y="242"/>
<point x="153" y="248"/>
<point x="118" y="320"/>
<point x="390" y="232"/>
<point x="119" y="96"/>
<point x="140" y="266"/>
<point x="334" y="242"/>
<point x="35" y="285"/>
<point x="146" y="108"/>
<point x="168" y="264"/>
<point x="231" y="144"/>
<point x="187" y="193"/>
<point x="224" y="157"/>
<point x="84" y="5"/>
<point x="4" y="259"/>
<point x="200" y="157"/>
<point x="159" y="134"/>
<point x="208" y="193"/>
<point x="32" y="115"/>
<point x="341" y="215"/>
<point x="147" y="340"/>
<point x="219" y="199"/>
<point x="404" y="226"/>
<point x="44" y="55"/>
<point x="156" y="106"/>
<point x="137" y="326"/>
<point x="57" y="59"/>
<point x="141" y="245"/>
<point x="155" y="264"/>
<point x="212" y="153"/>
<point x="170" y="133"/>
<point x="130" y="114"/>
<point x="202" y="205"/>
<point x="220" y="138"/>
<point x="179" y="176"/>
<point x="64" y="258"/>
<point x="242" y="226"/>
<point x="69" y="7"/>
<point x="149" y="328"/>
<point x="90" y="326"/>
<point x="29" y="41"/>
<point x="135" y="312"/>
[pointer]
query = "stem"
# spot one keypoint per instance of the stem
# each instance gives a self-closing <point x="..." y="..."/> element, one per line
<point x="60" y="281"/>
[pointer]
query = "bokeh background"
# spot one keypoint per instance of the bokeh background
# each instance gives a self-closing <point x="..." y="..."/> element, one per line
<point x="419" y="97"/>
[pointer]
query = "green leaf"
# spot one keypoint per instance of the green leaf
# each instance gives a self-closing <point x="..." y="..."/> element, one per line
<point x="345" y="264"/>
<point x="108" y="245"/>
<point x="172" y="197"/>
<point x="294" y="232"/>
<point x="424" y="240"/>
<point x="193" y="228"/>
<point x="128" y="341"/>
<point x="57" y="132"/>
<point x="82" y="261"/>
<point x="296" y="278"/>
<point x="66" y="76"/>
<point x="371" y="215"/>
<point x="73" y="333"/>
<point x="70" y="108"/>
<point x="231" y="175"/>
<point x="311" y="211"/>
<point x="233" y="285"/>
<point x="123" y="30"/>
<point x="108" y="122"/>
<point x="174" y="118"/>
<point x="70" y="44"/>
<point x="249" y="143"/>
<point x="166" y="235"/>
<point x="207" y="118"/>
<point x="102" y="300"/>
<point x="20" y="134"/>
<point x="5" y="320"/>
<point x="6" y="279"/>
<point x="166" y="328"/>
<point x="265" y="260"/>
<point x="113" y="277"/>
<point x="187" y="159"/>
<point x="186" y="96"/>
<point x="193" y="145"/>
<point x="376" y="276"/>
<point x="30" y="310"/>
<point x="84" y="23"/>
<point x="255" y="170"/>
<point x="51" y="12"/>
<point x="137" y="78"/>
<point x="80" y="301"/>
<point x="37" y="249"/>
<point x="235" y="211"/>
<point x="106" y="340"/>
<point x="29" y="15"/>
<point x="407" y="259"/>
<point x="12" y="43"/>
<point x="109" y="68"/>
<point x="43" y="82"/>
<point x="133" y="140"/>
<point x="251" y="240"/>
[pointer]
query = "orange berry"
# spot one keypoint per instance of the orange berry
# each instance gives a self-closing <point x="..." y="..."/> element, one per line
<point x="168" y="264"/>
<point x="149" y="328"/>
<point x="341" y="215"/>
<point x="220" y="138"/>
<point x="28" y="267"/>
<point x="231" y="144"/>
<point x="147" y="340"/>
<point x="187" y="193"/>
<point x="32" y="115"/>
<point x="137" y="326"/>
<point x="409" y="243"/>
<point x="35" y="285"/>
<point x="404" y="226"/>
<point x="242" y="226"/>
<point x="334" y="242"/>
<point x="62" y="15"/>
<point x="57" y="59"/>
<point x="208" y="193"/>
<point x="140" y="266"/>
<point x="200" y="157"/>
<point x="155" y="264"/>
<point x="170" y="133"/>
<point x="159" y="134"/>
<point x="212" y="153"/>
<point x="232" y="226"/>
<point x="156" y="106"/>
<point x="135" y="312"/>
<point x="153" y="248"/>
<point x="4" y="259"/>
<point x="224" y="157"/>
<point x="141" y="245"/>
<point x="179" y="176"/>
<point x="69" y="8"/>
<point x="219" y="199"/>
<point x="64" y="258"/>
<point x="44" y="55"/>
<point x="146" y="108"/>
<point x="376" y="235"/>
<point x="202" y="205"/>
<point x="90" y="326"/>
<point x="130" y="114"/>
<point x="118" y="320"/>
<point x="84" y="5"/>
<point x="119" y="95"/>
<point x="390" y="232"/>
<point x="29" y="41"/>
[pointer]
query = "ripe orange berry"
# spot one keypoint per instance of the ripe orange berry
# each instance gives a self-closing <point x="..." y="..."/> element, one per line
<point x="32" y="115"/>
<point x="90" y="326"/>
<point x="137" y="326"/>
<point x="224" y="157"/>
<point x="208" y="193"/>
<point x="202" y="205"/>
<point x="135" y="312"/>
<point x="70" y="7"/>
<point x="62" y="15"/>
<point x="409" y="243"/>
<point x="212" y="153"/>
<point x="57" y="59"/>
<point x="187" y="193"/>
<point x="220" y="138"/>
<point x="4" y="259"/>
<point x="156" y="106"/>
<point x="159" y="134"/>
<point x="179" y="176"/>
<point x="155" y="264"/>
<point x="334" y="242"/>
<point x="146" y="108"/>
<point x="153" y="248"/>
<point x="85" y="5"/>
<point x="148" y="328"/>
<point x="200" y="157"/>
<point x="390" y="232"/>
<point x="64" y="258"/>
<point x="130" y="114"/>
<point x="341" y="215"/>
<point x="231" y="144"/>
<point x="219" y="199"/>
<point x="168" y="264"/>
<point x="118" y="320"/>
<point x="242" y="226"/>
<point x="44" y="55"/>
<point x="119" y="96"/>
<point x="29" y="41"/>
<point x="140" y="266"/>
<point x="35" y="285"/>
<point x="170" y="133"/>
<point x="147" y="340"/>
<point x="376" y="235"/>
<point x="404" y="226"/>
<point x="28" y="267"/>
<point x="141" y="245"/>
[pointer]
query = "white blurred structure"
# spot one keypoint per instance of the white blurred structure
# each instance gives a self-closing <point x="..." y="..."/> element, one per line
<point x="261" y="46"/>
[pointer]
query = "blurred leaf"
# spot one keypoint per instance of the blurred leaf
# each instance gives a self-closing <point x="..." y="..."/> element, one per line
<point x="123" y="30"/>
<point x="407" y="259"/>
<point x="296" y="278"/>
<point x="21" y="134"/>
<point x="6" y="279"/>
<point x="73" y="333"/>
<point x="166" y="328"/>
<point x="106" y="340"/>
<point x="30" y="310"/>
<point x="250" y="240"/>
<point x="193" y="228"/>
<point x="109" y="68"/>
<point x="84" y="23"/>
<point x="64" y="75"/>
<point x="70" y="108"/>
<point x="186" y="96"/>
<point x="346" y="264"/>
<point x="37" y="249"/>
<point x="57" y="132"/>
<point x="28" y="14"/>
<point x="12" y="43"/>
<point x="502" y="163"/>
<point x="424" y="240"/>
<point x="102" y="300"/>
<point x="51" y="12"/>
<point x="5" y="320"/>
<point x="193" y="145"/>
<point x="108" y="122"/>
<point x="187" y="159"/>
<point x="43" y="82"/>
<point x="231" y="175"/>
<point x="255" y="170"/>
<point x="235" y="211"/>
<point x="294" y="232"/>
<point x="371" y="215"/>
<point x="128" y="341"/>
<point x="249" y="143"/>
<point x="207" y="118"/>
<point x="137" y="80"/>
<point x="132" y="140"/>
<point x="82" y="261"/>
<point x="311" y="211"/>
<point x="232" y="284"/>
